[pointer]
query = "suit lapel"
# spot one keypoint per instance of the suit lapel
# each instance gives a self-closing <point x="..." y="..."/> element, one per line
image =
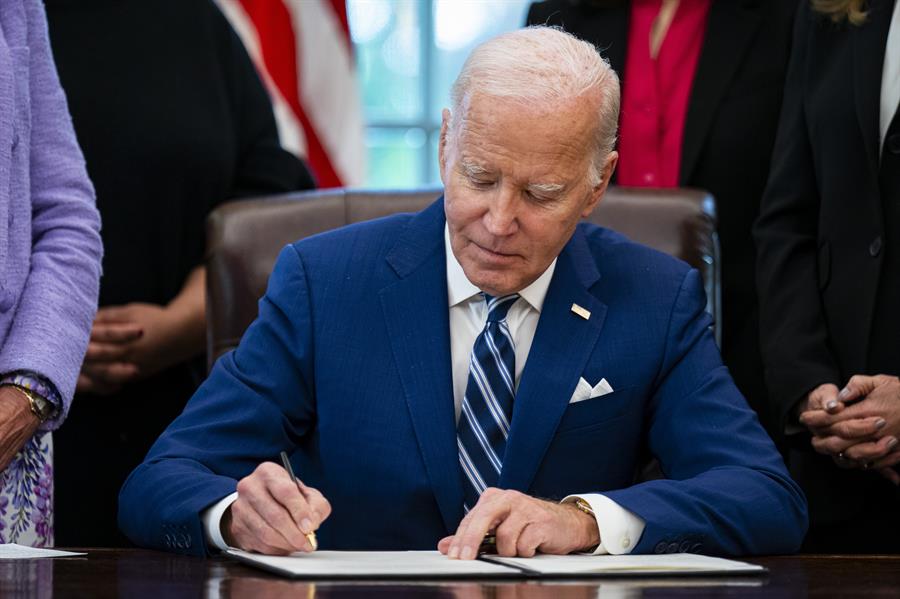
<point x="729" y="31"/>
<point x="562" y="344"/>
<point x="417" y="317"/>
<point x="869" y="42"/>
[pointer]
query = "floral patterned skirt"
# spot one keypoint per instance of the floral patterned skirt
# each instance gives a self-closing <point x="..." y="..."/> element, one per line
<point x="26" y="495"/>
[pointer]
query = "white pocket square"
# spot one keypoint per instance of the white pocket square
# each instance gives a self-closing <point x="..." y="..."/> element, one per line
<point x="584" y="390"/>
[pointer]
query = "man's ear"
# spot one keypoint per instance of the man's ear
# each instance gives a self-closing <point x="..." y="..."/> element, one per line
<point x="597" y="192"/>
<point x="442" y="144"/>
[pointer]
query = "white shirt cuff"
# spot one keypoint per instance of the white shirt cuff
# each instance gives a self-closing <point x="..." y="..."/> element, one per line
<point x="620" y="530"/>
<point x="212" y="521"/>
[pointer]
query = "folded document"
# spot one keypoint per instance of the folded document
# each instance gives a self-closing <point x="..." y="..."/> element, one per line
<point x="431" y="564"/>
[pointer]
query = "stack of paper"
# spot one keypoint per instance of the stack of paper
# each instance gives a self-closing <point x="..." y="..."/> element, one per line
<point x="431" y="564"/>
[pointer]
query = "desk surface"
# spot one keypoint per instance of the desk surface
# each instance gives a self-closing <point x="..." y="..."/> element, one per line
<point x="137" y="573"/>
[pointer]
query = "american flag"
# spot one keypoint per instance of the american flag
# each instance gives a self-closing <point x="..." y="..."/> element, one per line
<point x="303" y="52"/>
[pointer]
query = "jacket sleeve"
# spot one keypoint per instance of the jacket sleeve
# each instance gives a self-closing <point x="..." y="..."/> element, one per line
<point x="793" y="332"/>
<point x="726" y="489"/>
<point x="56" y="308"/>
<point x="257" y="402"/>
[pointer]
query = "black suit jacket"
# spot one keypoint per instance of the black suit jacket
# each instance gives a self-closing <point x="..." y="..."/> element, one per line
<point x="827" y="237"/>
<point x="827" y="240"/>
<point x="728" y="137"/>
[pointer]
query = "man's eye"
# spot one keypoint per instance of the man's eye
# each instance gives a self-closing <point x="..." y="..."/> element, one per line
<point x="535" y="197"/>
<point x="481" y="183"/>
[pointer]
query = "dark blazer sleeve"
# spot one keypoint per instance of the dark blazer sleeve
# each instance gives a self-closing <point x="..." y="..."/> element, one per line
<point x="264" y="167"/>
<point x="231" y="425"/>
<point x="726" y="490"/>
<point x="793" y="332"/>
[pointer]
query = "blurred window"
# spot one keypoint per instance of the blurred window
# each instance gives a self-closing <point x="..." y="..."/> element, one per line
<point x="408" y="53"/>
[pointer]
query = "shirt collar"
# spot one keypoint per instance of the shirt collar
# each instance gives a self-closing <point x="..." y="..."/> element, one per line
<point x="461" y="289"/>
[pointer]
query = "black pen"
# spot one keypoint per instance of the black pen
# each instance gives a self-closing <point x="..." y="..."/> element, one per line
<point x="311" y="535"/>
<point x="488" y="545"/>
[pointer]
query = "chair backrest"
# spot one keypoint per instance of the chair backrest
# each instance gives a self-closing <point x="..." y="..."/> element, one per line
<point x="244" y="238"/>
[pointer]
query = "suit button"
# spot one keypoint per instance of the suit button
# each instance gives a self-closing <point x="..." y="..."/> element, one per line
<point x="672" y="548"/>
<point x="875" y="247"/>
<point x="660" y="547"/>
<point x="892" y="143"/>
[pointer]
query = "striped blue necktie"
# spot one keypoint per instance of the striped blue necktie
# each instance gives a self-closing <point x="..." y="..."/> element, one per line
<point x="487" y="406"/>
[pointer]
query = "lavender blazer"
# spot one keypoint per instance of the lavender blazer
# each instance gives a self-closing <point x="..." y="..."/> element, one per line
<point x="50" y="248"/>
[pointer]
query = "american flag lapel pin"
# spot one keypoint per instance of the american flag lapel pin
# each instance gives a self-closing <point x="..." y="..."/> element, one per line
<point x="585" y="314"/>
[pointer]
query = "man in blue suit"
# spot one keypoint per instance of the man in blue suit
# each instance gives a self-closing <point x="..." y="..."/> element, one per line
<point x="488" y="364"/>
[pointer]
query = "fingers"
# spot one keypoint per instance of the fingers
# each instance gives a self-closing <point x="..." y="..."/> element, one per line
<point x="114" y="314"/>
<point x="509" y="533"/>
<point x="444" y="544"/>
<point x="86" y="384"/>
<point x="117" y="332"/>
<point x="268" y="513"/>
<point x="871" y="450"/>
<point x="107" y="352"/>
<point x="297" y="504"/>
<point x="273" y="514"/>
<point x="833" y="446"/>
<point x="857" y="428"/>
<point x="112" y="373"/>
<point x="861" y="385"/>
<point x="824" y="397"/>
<point x="250" y="531"/>
<point x="491" y="509"/>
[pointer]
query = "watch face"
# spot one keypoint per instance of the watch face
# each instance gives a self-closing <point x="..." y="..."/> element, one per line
<point x="40" y="406"/>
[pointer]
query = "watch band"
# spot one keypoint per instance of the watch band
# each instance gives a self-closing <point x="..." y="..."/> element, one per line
<point x="40" y="407"/>
<point x="585" y="507"/>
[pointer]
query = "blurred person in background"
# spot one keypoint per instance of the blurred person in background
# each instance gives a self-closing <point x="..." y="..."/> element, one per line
<point x="701" y="92"/>
<point x="173" y="120"/>
<point x="829" y="272"/>
<point x="49" y="270"/>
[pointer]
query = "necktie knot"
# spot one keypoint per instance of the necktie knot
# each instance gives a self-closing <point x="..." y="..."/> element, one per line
<point x="498" y="307"/>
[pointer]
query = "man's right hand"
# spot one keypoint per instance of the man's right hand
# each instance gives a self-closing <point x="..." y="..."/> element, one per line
<point x="272" y="514"/>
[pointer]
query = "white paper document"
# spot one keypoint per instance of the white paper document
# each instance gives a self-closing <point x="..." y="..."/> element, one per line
<point x="371" y="564"/>
<point x="13" y="551"/>
<point x="431" y="564"/>
<point x="616" y="565"/>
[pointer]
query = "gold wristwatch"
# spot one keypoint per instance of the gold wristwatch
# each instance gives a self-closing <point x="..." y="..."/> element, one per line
<point x="40" y="407"/>
<point x="585" y="507"/>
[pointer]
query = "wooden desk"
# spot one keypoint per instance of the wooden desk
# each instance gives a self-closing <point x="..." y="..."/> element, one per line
<point x="133" y="573"/>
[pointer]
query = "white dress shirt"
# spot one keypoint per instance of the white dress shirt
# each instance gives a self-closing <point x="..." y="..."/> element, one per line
<point x="620" y="530"/>
<point x="890" y="76"/>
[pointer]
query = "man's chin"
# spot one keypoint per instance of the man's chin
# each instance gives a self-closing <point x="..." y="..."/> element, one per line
<point x="494" y="285"/>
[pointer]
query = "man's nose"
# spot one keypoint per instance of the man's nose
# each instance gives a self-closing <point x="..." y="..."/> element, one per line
<point x="501" y="218"/>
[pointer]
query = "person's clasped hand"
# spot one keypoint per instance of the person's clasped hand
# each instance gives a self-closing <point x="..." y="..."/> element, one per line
<point x="272" y="515"/>
<point x="523" y="526"/>
<point x="128" y="343"/>
<point x="859" y="426"/>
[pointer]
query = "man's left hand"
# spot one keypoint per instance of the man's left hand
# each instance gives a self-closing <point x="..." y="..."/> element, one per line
<point x="523" y="526"/>
<point x="17" y="423"/>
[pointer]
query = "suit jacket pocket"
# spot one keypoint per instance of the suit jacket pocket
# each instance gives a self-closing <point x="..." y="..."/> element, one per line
<point x="589" y="412"/>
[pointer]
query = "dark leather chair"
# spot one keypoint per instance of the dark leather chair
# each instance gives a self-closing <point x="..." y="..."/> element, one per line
<point x="244" y="238"/>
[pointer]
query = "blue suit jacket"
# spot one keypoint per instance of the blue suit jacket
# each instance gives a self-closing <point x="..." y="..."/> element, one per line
<point x="348" y="367"/>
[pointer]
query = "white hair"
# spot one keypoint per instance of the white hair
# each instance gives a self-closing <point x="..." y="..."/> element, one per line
<point x="543" y="66"/>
